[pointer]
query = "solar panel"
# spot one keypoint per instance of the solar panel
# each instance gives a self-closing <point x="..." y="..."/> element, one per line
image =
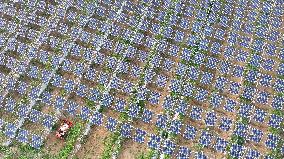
<point x="201" y="94"/>
<point x="275" y="121"/>
<point x="11" y="83"/>
<point x="220" y="83"/>
<point x="120" y="105"/>
<point x="175" y="126"/>
<point x="168" y="147"/>
<point x="35" y="116"/>
<point x="36" y="141"/>
<point x="263" y="97"/>
<point x="22" y="111"/>
<point x="206" y="78"/>
<point x="126" y="130"/>
<point x="188" y="90"/>
<point x="189" y="11"/>
<point x="10" y="105"/>
<point x="168" y="64"/>
<point x="190" y="132"/>
<point x="85" y="112"/>
<point x="85" y="36"/>
<point x="183" y="152"/>
<point x="90" y="74"/>
<point x="133" y="110"/>
<point x="23" y="136"/>
<point x="186" y="54"/>
<point x="237" y="150"/>
<point x="259" y="115"/>
<point x="216" y="100"/>
<point x="241" y="56"/>
<point x="270" y="48"/>
<point x="224" y="20"/>
<point x="97" y="118"/>
<point x="238" y="71"/>
<point x="147" y="115"/>
<point x="142" y="93"/>
<point x="182" y="107"/>
<point x="215" y="48"/>
<point x="256" y="135"/>
<point x="34" y="93"/>
<point x="199" y="59"/>
<point x="234" y="88"/>
<point x="81" y="90"/>
<point x="196" y="26"/>
<point x="111" y="124"/>
<point x="76" y="48"/>
<point x="2" y="122"/>
<point x="225" y="124"/>
<point x="219" y="34"/>
<point x="72" y="108"/>
<point x="230" y="105"/>
<point x="277" y="102"/>
<point x="241" y="129"/>
<point x="184" y="24"/>
<point x="10" y="130"/>
<point x="115" y="82"/>
<point x="279" y="85"/>
<point x="245" y="42"/>
<point x="252" y="76"/>
<point x="175" y="85"/>
<point x="88" y="55"/>
<point x="155" y="62"/>
<point x="280" y="70"/>
<point x="154" y="142"/>
<point x="139" y="135"/>
<point x="46" y="97"/>
<point x="135" y="71"/>
<point x="69" y="85"/>
<point x="248" y="92"/>
<point x="94" y="94"/>
<point x="205" y="139"/>
<point x="57" y="80"/>
<point x="149" y="74"/>
<point x="200" y="155"/>
<point x="67" y="65"/>
<point x="245" y="110"/>
<point x="161" y="121"/>
<point x="179" y="36"/>
<point x="173" y="50"/>
<point x="59" y="102"/>
<point x="258" y="45"/>
<point x="48" y="121"/>
<point x="196" y="113"/>
<point x="167" y="33"/>
<point x="107" y="100"/>
<point x="128" y="87"/>
<point x="111" y="62"/>
<point x="220" y="144"/>
<point x="251" y="154"/>
<point x="211" y="119"/>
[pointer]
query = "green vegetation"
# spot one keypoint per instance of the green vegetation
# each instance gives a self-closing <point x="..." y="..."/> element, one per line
<point x="123" y="116"/>
<point x="244" y="120"/>
<point x="237" y="139"/>
<point x="147" y="155"/>
<point x="90" y="103"/>
<point x="109" y="144"/>
<point x="73" y="134"/>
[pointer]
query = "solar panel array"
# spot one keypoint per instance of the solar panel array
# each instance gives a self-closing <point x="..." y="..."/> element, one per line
<point x="207" y="73"/>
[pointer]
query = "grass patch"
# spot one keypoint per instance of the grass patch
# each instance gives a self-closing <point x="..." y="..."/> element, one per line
<point x="73" y="134"/>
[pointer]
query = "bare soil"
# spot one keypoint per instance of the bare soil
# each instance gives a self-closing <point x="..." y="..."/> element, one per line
<point x="94" y="146"/>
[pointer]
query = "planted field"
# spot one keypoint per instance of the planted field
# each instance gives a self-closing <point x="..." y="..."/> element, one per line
<point x="128" y="79"/>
